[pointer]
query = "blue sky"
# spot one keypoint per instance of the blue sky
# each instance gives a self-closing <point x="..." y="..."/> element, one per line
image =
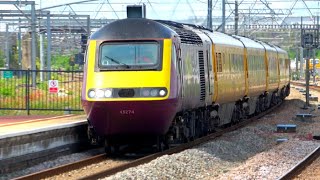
<point x="173" y="9"/>
<point x="176" y="10"/>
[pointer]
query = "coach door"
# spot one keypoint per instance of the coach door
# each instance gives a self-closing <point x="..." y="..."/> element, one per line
<point x="176" y="53"/>
<point x="209" y="69"/>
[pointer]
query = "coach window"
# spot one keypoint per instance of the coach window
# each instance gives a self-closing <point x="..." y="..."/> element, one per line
<point x="219" y="62"/>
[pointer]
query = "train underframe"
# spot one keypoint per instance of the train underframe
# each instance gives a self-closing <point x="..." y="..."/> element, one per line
<point x="192" y="124"/>
<point x="195" y="123"/>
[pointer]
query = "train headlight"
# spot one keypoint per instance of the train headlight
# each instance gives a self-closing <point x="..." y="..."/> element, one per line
<point x="154" y="92"/>
<point x="145" y="92"/>
<point x="108" y="93"/>
<point x="162" y="92"/>
<point x="100" y="93"/>
<point x="91" y="93"/>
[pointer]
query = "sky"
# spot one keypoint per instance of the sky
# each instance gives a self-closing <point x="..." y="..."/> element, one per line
<point x="173" y="9"/>
<point x="177" y="10"/>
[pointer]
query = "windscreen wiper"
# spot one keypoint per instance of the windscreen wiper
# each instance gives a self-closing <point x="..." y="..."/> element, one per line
<point x="118" y="62"/>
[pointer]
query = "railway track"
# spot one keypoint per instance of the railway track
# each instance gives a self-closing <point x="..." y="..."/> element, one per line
<point x="311" y="87"/>
<point x="310" y="158"/>
<point x="303" y="164"/>
<point x="123" y="166"/>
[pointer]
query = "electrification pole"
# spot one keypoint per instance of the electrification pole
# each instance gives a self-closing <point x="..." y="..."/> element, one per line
<point x="33" y="43"/>
<point x="48" y="45"/>
<point x="209" y="18"/>
<point x="297" y="60"/>
<point x="7" y="65"/>
<point x="314" y="65"/>
<point x="223" y="16"/>
<point x="19" y="46"/>
<point x="236" y="17"/>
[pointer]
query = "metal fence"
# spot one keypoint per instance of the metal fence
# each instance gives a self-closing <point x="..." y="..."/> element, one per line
<point x="40" y="90"/>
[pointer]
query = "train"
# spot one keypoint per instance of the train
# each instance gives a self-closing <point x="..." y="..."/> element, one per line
<point x="175" y="82"/>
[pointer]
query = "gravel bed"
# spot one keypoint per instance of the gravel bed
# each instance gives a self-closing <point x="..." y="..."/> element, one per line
<point x="248" y="153"/>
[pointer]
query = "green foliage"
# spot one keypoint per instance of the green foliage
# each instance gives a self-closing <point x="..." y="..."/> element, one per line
<point x="6" y="91"/>
<point x="8" y="87"/>
<point x="318" y="54"/>
<point x="60" y="61"/>
<point x="43" y="85"/>
<point x="14" y="58"/>
<point x="2" y="58"/>
<point x="292" y="54"/>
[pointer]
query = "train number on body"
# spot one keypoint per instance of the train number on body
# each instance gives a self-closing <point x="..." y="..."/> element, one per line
<point x="126" y="112"/>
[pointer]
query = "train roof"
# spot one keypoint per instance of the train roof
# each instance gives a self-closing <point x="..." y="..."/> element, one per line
<point x="249" y="43"/>
<point x="267" y="46"/>
<point x="280" y="50"/>
<point x="132" y="28"/>
<point x="141" y="28"/>
<point x="224" y="39"/>
<point x="185" y="32"/>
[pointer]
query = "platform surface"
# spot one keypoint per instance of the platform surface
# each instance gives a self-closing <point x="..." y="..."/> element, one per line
<point x="17" y="126"/>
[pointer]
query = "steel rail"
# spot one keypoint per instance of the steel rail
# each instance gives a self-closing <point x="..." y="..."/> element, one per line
<point x="64" y="168"/>
<point x="312" y="87"/>
<point x="303" y="164"/>
<point x="108" y="172"/>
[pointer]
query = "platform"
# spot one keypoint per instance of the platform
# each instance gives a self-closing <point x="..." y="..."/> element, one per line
<point x="30" y="140"/>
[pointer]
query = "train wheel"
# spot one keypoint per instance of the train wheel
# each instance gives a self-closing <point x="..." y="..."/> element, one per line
<point x="110" y="149"/>
<point x="199" y="124"/>
<point x="162" y="144"/>
<point x="258" y="108"/>
<point x="273" y="99"/>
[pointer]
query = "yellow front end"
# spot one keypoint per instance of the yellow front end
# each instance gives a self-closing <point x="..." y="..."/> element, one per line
<point x="127" y="79"/>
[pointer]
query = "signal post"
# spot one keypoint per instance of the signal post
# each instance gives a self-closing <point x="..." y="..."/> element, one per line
<point x="310" y="42"/>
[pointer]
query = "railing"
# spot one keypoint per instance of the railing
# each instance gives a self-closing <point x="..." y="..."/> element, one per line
<point x="30" y="90"/>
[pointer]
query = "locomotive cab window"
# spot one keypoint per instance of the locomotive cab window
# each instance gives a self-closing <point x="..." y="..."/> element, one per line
<point x="129" y="56"/>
